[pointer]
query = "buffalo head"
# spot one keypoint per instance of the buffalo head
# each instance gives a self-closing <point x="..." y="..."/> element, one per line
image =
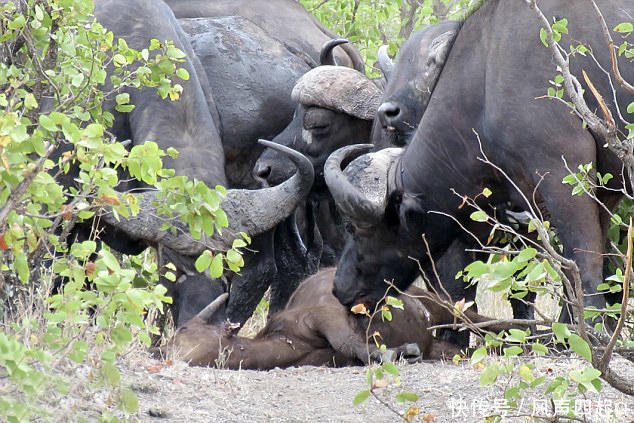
<point x="410" y="83"/>
<point x="385" y="227"/>
<point x="201" y="339"/>
<point x="335" y="105"/>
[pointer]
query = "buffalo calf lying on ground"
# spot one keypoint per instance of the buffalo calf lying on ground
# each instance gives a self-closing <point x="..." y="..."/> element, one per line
<point x="314" y="329"/>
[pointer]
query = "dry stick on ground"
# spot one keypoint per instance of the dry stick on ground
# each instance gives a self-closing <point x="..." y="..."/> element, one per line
<point x="606" y="130"/>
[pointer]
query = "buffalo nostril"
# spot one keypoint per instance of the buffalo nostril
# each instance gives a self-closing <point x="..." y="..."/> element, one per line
<point x="388" y="113"/>
<point x="263" y="171"/>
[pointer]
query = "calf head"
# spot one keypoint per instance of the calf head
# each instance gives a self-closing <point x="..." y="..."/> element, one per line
<point x="411" y="83"/>
<point x="201" y="342"/>
<point x="336" y="106"/>
<point x="385" y="227"/>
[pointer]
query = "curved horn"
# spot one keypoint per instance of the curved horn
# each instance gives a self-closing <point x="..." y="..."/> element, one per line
<point x="325" y="56"/>
<point x="348" y="198"/>
<point x="385" y="62"/>
<point x="250" y="211"/>
<point x="207" y="313"/>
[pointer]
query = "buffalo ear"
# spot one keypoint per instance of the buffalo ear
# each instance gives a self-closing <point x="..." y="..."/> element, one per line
<point x="440" y="47"/>
<point x="411" y="213"/>
<point x="230" y="329"/>
<point x="393" y="207"/>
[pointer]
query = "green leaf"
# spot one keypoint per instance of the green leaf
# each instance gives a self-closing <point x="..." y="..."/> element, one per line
<point x="109" y="260"/>
<point x="29" y="101"/>
<point x="630" y="107"/>
<point x="561" y="331"/>
<point x="216" y="268"/>
<point x="360" y="397"/>
<point x="121" y="335"/>
<point x="487" y="192"/>
<point x="394" y="302"/>
<point x="581" y="347"/>
<point x="233" y="256"/>
<point x="123" y="98"/>
<point x="543" y="35"/>
<point x="406" y="397"/>
<point x="478" y="355"/>
<point x="526" y="254"/>
<point x="129" y="401"/>
<point x="203" y="261"/>
<point x="390" y="368"/>
<point x="94" y="130"/>
<point x="489" y="375"/>
<point x="624" y="27"/>
<point x="526" y="373"/>
<point x="479" y="216"/>
<point x="47" y="123"/>
<point x="182" y="74"/>
<point x="21" y="266"/>
<point x="18" y="22"/>
<point x="119" y="60"/>
<point x="386" y="314"/>
<point x="586" y="375"/>
<point x="110" y="374"/>
<point x="512" y="351"/>
<point x="539" y="349"/>
<point x="517" y="335"/>
<point x="476" y="269"/>
<point x="79" y="351"/>
<point x="172" y="152"/>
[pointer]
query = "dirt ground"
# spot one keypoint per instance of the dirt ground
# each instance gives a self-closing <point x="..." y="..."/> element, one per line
<point x="448" y="393"/>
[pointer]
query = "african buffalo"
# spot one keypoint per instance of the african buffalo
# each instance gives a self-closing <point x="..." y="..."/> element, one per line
<point x="335" y="106"/>
<point x="314" y="329"/>
<point x="252" y="53"/>
<point x="187" y="125"/>
<point x="410" y="83"/>
<point x="235" y="41"/>
<point x="492" y="81"/>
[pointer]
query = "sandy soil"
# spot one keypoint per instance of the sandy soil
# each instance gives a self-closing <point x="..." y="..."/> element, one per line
<point x="448" y="393"/>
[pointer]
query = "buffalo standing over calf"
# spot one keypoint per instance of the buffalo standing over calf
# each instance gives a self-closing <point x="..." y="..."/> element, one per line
<point x="335" y="106"/>
<point x="492" y="78"/>
<point x="411" y="83"/>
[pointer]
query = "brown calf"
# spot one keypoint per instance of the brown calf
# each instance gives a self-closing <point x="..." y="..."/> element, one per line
<point x="313" y="329"/>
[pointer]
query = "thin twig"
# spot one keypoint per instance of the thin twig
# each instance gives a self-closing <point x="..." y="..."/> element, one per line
<point x="605" y="359"/>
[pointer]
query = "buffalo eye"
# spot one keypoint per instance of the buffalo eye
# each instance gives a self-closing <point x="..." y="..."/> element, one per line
<point x="317" y="120"/>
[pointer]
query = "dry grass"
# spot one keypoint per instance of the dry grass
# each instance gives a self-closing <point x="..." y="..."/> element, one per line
<point x="258" y="319"/>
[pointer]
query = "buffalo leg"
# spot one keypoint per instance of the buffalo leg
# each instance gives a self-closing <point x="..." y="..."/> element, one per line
<point x="249" y="286"/>
<point x="454" y="259"/>
<point x="336" y="327"/>
<point x="577" y="220"/>
<point x="294" y="260"/>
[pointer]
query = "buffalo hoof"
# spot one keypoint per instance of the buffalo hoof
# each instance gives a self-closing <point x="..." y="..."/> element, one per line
<point x="389" y="355"/>
<point x="157" y="412"/>
<point x="406" y="351"/>
<point x="411" y="350"/>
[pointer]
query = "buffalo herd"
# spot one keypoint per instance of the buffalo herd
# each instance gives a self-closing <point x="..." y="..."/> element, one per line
<point x="358" y="168"/>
